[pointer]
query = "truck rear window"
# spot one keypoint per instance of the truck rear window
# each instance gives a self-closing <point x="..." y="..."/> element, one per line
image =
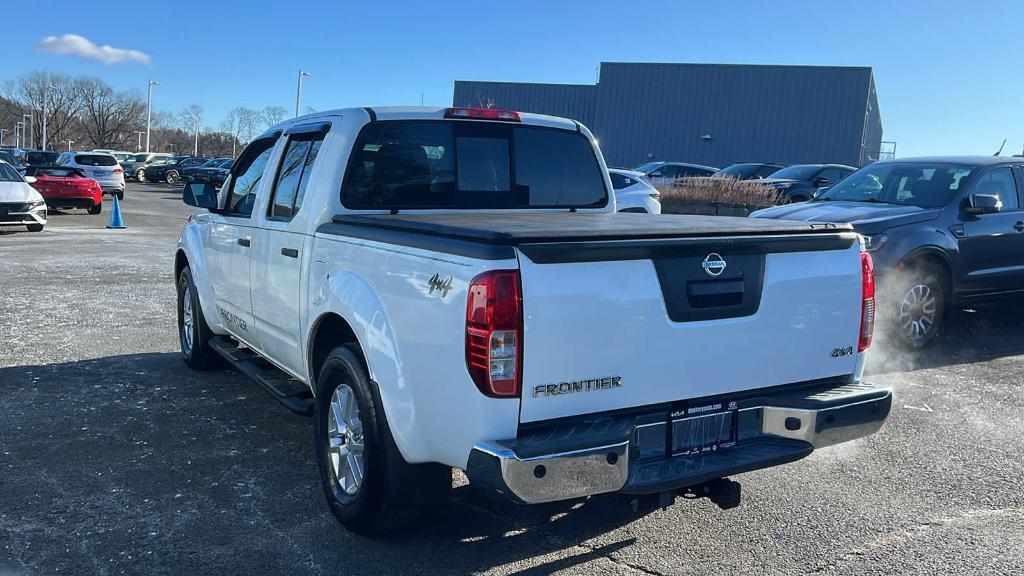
<point x="471" y="165"/>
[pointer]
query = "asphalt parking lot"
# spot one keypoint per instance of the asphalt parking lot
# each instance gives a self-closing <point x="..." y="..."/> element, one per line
<point x="115" y="458"/>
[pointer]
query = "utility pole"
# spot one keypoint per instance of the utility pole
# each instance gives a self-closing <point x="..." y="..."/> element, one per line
<point x="298" y="92"/>
<point x="195" y="150"/>
<point x="149" y="110"/>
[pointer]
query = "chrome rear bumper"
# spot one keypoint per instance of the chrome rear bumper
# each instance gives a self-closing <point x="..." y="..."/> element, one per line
<point x="630" y="453"/>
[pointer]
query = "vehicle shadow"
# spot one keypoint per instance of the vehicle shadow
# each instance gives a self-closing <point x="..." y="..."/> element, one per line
<point x="158" y="468"/>
<point x="969" y="335"/>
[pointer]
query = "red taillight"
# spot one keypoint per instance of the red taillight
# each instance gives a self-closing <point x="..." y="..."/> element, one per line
<point x="494" y="333"/>
<point x="118" y="170"/>
<point x="483" y="114"/>
<point x="867" y="310"/>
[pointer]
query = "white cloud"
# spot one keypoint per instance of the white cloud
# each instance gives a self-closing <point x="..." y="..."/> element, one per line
<point x="80" y="46"/>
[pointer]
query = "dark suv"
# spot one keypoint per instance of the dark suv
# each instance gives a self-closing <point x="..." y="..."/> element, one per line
<point x="749" y="170"/>
<point x="946" y="231"/>
<point x="800" y="182"/>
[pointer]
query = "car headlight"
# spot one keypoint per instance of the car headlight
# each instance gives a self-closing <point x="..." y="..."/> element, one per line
<point x="873" y="242"/>
<point x="36" y="205"/>
<point x="782" y="185"/>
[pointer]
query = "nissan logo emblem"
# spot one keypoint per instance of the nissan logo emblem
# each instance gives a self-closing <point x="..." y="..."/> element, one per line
<point x="713" y="265"/>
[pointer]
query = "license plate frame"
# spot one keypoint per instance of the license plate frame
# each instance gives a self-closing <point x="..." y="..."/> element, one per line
<point x="702" y="428"/>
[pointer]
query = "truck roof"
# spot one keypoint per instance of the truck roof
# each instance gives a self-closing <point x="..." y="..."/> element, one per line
<point x="966" y="160"/>
<point x="427" y="113"/>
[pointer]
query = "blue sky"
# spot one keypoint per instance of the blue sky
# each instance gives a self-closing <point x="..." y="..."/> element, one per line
<point x="947" y="72"/>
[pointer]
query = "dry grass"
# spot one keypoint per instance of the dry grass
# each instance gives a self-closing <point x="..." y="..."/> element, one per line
<point x="691" y="192"/>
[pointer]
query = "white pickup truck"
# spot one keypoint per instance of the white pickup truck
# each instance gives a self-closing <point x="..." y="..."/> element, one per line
<point x="452" y="288"/>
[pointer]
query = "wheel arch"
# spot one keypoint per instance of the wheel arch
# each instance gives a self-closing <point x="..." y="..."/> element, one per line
<point x="328" y="331"/>
<point x="934" y="259"/>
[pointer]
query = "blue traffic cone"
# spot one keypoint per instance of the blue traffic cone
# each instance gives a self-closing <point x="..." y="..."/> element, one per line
<point x="115" y="216"/>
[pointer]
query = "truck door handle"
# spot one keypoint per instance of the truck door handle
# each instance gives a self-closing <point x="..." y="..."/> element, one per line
<point x="290" y="252"/>
<point x="1019" y="226"/>
<point x="243" y="242"/>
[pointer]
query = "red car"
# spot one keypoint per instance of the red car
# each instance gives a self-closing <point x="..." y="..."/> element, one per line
<point x="64" y="187"/>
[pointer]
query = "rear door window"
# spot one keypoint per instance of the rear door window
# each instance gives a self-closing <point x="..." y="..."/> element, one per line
<point x="293" y="176"/>
<point x="471" y="165"/>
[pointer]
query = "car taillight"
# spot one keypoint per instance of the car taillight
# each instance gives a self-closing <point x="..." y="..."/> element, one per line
<point x="118" y="170"/>
<point x="867" y="310"/>
<point x="494" y="333"/>
<point x="483" y="114"/>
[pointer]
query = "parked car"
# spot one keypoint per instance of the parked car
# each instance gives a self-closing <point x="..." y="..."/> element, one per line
<point x="800" y="182"/>
<point x="20" y="203"/>
<point x="170" y="170"/>
<point x="633" y="193"/>
<point x="8" y="156"/>
<point x="36" y="157"/>
<point x="749" y="170"/>
<point x="666" y="173"/>
<point x="67" y="187"/>
<point x="943" y="232"/>
<point x="389" y="261"/>
<point x="215" y="174"/>
<point x="135" y="167"/>
<point x="103" y="168"/>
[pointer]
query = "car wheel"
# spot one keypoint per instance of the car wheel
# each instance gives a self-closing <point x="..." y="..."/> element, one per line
<point x="34" y="227"/>
<point x="119" y="194"/>
<point x="173" y="177"/>
<point x="96" y="208"/>
<point x="140" y="175"/>
<point x="917" y="306"/>
<point x="370" y="488"/>
<point x="193" y="332"/>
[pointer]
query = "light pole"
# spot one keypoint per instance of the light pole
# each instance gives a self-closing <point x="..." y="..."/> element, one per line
<point x="195" y="150"/>
<point x="149" y="110"/>
<point x="70" y="142"/>
<point x="298" y="92"/>
<point x="2" y="132"/>
<point x="19" y="128"/>
<point x="139" y="145"/>
<point x="28" y="126"/>
<point x="46" y="97"/>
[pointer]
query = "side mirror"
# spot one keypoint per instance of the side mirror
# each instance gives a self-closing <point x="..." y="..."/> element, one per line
<point x="820" y="191"/>
<point x="982" y="204"/>
<point x="30" y="179"/>
<point x="200" y="196"/>
<point x="821" y="182"/>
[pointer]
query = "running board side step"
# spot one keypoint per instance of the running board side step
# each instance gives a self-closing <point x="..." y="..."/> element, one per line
<point x="291" y="393"/>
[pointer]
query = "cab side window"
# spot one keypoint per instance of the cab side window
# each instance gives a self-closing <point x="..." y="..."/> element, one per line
<point x="293" y="175"/>
<point x="999" y="182"/>
<point x="246" y="177"/>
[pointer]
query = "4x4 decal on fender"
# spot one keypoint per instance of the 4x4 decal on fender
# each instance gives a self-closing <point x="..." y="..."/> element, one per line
<point x="436" y="283"/>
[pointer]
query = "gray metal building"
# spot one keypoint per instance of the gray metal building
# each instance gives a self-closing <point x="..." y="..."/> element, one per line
<point x="713" y="114"/>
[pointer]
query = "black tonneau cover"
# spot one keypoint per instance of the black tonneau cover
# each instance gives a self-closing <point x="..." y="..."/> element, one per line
<point x="574" y="236"/>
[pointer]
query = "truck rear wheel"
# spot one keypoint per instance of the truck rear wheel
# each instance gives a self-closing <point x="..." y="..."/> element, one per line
<point x="370" y="488"/>
<point x="193" y="332"/>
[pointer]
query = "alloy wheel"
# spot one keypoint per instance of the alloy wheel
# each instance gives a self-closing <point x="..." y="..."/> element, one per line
<point x="345" y="440"/>
<point x="918" y="312"/>
<point x="186" y="318"/>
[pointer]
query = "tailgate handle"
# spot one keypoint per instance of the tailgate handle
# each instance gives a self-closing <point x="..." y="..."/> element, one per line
<point x="715" y="293"/>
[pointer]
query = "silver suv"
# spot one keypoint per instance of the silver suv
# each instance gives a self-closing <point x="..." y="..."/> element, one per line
<point x="135" y="165"/>
<point x="101" y="167"/>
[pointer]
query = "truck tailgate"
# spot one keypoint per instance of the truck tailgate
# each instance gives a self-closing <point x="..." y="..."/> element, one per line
<point x="610" y="326"/>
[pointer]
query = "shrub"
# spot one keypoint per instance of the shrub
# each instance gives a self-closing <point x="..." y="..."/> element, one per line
<point x="722" y="196"/>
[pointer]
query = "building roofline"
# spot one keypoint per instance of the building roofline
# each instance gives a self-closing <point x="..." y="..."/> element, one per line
<point x="730" y="65"/>
<point x="526" y="83"/>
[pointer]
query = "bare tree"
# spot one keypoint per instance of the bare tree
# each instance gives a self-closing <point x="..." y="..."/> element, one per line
<point x="62" y="104"/>
<point x="108" y="118"/>
<point x="240" y="123"/>
<point x="272" y="115"/>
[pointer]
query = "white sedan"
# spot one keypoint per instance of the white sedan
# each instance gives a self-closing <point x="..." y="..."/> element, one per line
<point x="20" y="204"/>
<point x="633" y="193"/>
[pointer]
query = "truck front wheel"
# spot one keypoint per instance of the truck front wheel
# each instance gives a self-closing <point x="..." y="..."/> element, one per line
<point x="370" y="488"/>
<point x="193" y="332"/>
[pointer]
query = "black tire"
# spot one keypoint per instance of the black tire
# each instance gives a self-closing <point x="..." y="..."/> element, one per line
<point x="172" y="177"/>
<point x="392" y="492"/>
<point x="34" y="227"/>
<point x="96" y="209"/>
<point x="915" y="308"/>
<point x="140" y="175"/>
<point x="119" y="194"/>
<point x="197" y="352"/>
